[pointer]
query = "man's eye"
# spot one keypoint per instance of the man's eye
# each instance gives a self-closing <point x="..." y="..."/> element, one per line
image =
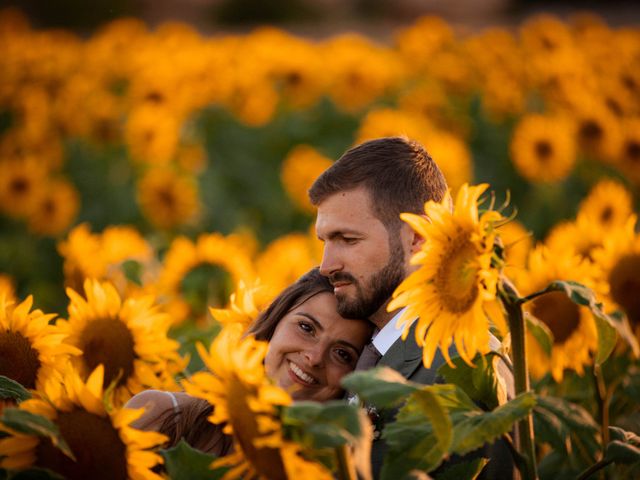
<point x="349" y="240"/>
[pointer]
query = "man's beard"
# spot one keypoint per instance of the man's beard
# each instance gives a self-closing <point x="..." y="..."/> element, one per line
<point x="381" y="286"/>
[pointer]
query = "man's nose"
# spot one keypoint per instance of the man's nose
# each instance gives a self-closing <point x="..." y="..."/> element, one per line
<point x="330" y="261"/>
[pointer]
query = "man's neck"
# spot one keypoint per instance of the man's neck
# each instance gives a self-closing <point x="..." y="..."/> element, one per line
<point x="381" y="317"/>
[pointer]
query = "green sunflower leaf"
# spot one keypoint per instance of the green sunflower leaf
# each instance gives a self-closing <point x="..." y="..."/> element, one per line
<point x="35" y="474"/>
<point x="31" y="424"/>
<point x="464" y="471"/>
<point x="474" y="431"/>
<point x="318" y="425"/>
<point x="11" y="389"/>
<point x="540" y="332"/>
<point x="183" y="462"/>
<point x="478" y="382"/>
<point x="605" y="324"/>
<point x="382" y="386"/>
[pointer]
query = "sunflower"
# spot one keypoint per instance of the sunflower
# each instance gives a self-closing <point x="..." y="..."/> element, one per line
<point x="104" y="256"/>
<point x="582" y="235"/>
<point x="284" y="260"/>
<point x="248" y="404"/>
<point x="55" y="209"/>
<point x="544" y="34"/>
<point x="128" y="337"/>
<point x="619" y="262"/>
<point x="517" y="242"/>
<point x="7" y="287"/>
<point x="21" y="183"/>
<point x="572" y="326"/>
<point x="245" y="304"/>
<point x="300" y="168"/>
<point x="31" y="350"/>
<point x="455" y="287"/>
<point x="609" y="204"/>
<point x="629" y="161"/>
<point x="152" y="133"/>
<point x="191" y="273"/>
<point x="543" y="148"/>
<point x="599" y="133"/>
<point x="168" y="199"/>
<point x="103" y="443"/>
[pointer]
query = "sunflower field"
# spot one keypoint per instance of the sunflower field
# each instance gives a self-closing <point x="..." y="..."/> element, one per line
<point x="153" y="199"/>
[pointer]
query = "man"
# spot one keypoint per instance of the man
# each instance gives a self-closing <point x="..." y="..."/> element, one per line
<point x="367" y="247"/>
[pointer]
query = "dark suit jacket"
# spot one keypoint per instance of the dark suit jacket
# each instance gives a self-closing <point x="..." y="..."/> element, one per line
<point x="406" y="358"/>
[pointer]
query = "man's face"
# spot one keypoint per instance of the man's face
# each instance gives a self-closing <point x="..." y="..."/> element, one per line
<point x="363" y="264"/>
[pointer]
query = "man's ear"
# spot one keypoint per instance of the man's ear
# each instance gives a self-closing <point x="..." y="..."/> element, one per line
<point x="417" y="241"/>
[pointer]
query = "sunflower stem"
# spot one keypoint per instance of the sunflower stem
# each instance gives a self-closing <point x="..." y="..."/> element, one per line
<point x="346" y="467"/>
<point x="513" y="306"/>
<point x="602" y="399"/>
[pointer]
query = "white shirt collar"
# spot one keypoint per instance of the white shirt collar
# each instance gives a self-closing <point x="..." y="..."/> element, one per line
<point x="388" y="334"/>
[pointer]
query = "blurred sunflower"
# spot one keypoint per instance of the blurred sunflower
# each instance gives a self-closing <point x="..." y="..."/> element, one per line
<point x="201" y="274"/>
<point x="619" y="262"/>
<point x="454" y="290"/>
<point x="598" y="131"/>
<point x="31" y="350"/>
<point x="608" y="204"/>
<point x="167" y="198"/>
<point x="544" y="34"/>
<point x="152" y="133"/>
<point x="106" y="256"/>
<point x="21" y="183"/>
<point x="629" y="162"/>
<point x="543" y="148"/>
<point x="300" y="168"/>
<point x="418" y="42"/>
<point x="581" y="236"/>
<point x="517" y="242"/>
<point x="128" y="337"/>
<point x="7" y="287"/>
<point x="284" y="260"/>
<point x="572" y="326"/>
<point x="247" y="403"/>
<point x="103" y="443"/>
<point x="245" y="304"/>
<point x="55" y="209"/>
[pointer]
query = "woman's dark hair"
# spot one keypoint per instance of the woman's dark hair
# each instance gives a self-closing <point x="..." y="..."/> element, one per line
<point x="190" y="422"/>
<point x="308" y="285"/>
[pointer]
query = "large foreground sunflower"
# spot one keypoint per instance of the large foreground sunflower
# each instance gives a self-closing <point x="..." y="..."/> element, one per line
<point x="572" y="326"/>
<point x="619" y="261"/>
<point x="103" y="443"/>
<point x="247" y="403"/>
<point x="31" y="350"/>
<point x="455" y="285"/>
<point x="128" y="337"/>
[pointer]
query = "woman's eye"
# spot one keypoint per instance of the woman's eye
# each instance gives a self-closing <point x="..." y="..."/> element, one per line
<point x="344" y="356"/>
<point x="305" y="327"/>
<point x="350" y="241"/>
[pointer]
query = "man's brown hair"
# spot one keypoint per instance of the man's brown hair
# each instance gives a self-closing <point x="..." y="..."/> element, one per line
<point x="397" y="172"/>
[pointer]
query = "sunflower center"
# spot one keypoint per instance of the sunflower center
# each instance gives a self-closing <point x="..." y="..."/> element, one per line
<point x="266" y="461"/>
<point x="625" y="285"/>
<point x="559" y="313"/>
<point x="606" y="214"/>
<point x="294" y="78"/>
<point x="590" y="131"/>
<point x="543" y="150"/>
<point x="99" y="451"/>
<point x="49" y="207"/>
<point x="109" y="342"/>
<point x="18" y="360"/>
<point x="456" y="278"/>
<point x="19" y="185"/>
<point x="633" y="151"/>
<point x="166" y="198"/>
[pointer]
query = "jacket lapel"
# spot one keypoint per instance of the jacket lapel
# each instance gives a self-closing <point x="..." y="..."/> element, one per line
<point x="403" y="356"/>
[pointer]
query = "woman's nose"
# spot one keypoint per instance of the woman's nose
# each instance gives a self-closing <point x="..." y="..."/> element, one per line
<point x="314" y="356"/>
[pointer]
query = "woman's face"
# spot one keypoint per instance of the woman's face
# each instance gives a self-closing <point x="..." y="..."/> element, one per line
<point x="313" y="347"/>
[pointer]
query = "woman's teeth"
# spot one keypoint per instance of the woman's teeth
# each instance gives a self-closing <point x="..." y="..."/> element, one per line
<point x="300" y="374"/>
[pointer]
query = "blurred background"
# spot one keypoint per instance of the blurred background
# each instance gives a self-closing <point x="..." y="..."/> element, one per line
<point x="168" y="145"/>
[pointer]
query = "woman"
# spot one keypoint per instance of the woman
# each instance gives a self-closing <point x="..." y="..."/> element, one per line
<point x="311" y="347"/>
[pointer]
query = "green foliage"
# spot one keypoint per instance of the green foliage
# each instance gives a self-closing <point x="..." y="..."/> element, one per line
<point x="322" y="425"/>
<point x="11" y="389"/>
<point x="382" y="386"/>
<point x="463" y="470"/>
<point x="478" y="382"/>
<point x="184" y="462"/>
<point x="34" y="474"/>
<point x="26" y="422"/>
<point x="540" y="332"/>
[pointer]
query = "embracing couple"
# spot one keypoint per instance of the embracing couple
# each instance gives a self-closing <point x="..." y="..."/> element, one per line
<point x="320" y="328"/>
